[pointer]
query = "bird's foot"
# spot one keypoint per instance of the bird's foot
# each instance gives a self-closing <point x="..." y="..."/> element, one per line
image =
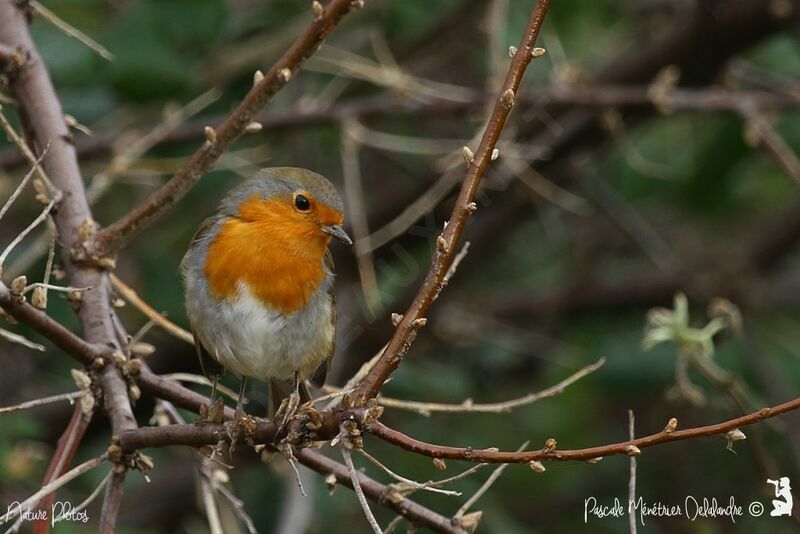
<point x="213" y="412"/>
<point x="242" y="426"/>
<point x="286" y="412"/>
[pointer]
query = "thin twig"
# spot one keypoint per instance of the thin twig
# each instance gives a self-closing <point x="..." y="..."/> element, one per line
<point x="634" y="224"/>
<point x="112" y="502"/>
<point x="53" y="287"/>
<point x="634" y="95"/>
<point x="592" y="453"/>
<point x="400" y="143"/>
<point x="393" y="524"/>
<point x="463" y="474"/>
<point x="297" y="510"/>
<point x="63" y="338"/>
<point x="772" y="141"/>
<point x="210" y="504"/>
<point x="66" y="449"/>
<point x="343" y="63"/>
<point x="143" y="330"/>
<point x="365" y="368"/>
<point x="411" y="213"/>
<point x="92" y="496"/>
<point x="31" y="501"/>
<point x="632" y="478"/>
<point x="362" y="500"/>
<point x="485" y="486"/>
<point x="238" y="506"/>
<point x="203" y="381"/>
<point x="293" y="463"/>
<point x="36" y="222"/>
<point x="411" y="483"/>
<point x="425" y="408"/>
<point x="547" y="189"/>
<point x="53" y="19"/>
<point x="451" y="271"/>
<point x="126" y="155"/>
<point x="133" y="297"/>
<point x="414" y="318"/>
<point x="20" y="340"/>
<point x="24" y="149"/>
<point x="413" y="512"/>
<point x="48" y="266"/>
<point x="354" y="193"/>
<point x="161" y="200"/>
<point x="19" y="187"/>
<point x="45" y="400"/>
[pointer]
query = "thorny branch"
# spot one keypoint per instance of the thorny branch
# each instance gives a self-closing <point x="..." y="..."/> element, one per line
<point x="72" y="219"/>
<point x="198" y="436"/>
<point x="447" y="243"/>
<point x="220" y="139"/>
<point x="589" y="95"/>
<point x="103" y="341"/>
<point x="550" y="452"/>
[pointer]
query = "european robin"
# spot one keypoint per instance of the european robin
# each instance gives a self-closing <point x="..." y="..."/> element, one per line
<point x="258" y="277"/>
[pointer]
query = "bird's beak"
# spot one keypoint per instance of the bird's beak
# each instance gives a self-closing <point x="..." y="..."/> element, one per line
<point x="338" y="232"/>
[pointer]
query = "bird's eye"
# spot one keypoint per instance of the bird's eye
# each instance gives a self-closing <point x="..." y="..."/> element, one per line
<point x="302" y="203"/>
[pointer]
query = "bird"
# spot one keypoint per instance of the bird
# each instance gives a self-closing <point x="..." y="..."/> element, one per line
<point x="259" y="284"/>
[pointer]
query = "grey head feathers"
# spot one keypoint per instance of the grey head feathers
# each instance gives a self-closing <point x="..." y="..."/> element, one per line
<point x="281" y="181"/>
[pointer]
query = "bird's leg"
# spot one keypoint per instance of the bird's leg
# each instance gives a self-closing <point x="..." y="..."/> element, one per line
<point x="213" y="411"/>
<point x="214" y="384"/>
<point x="240" y="400"/>
<point x="242" y="425"/>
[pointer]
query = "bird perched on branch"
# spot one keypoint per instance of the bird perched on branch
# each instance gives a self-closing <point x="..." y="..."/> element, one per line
<point x="258" y="277"/>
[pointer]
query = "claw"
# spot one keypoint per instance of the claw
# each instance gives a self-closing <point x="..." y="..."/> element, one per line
<point x="286" y="411"/>
<point x="241" y="426"/>
<point x="212" y="412"/>
<point x="217" y="411"/>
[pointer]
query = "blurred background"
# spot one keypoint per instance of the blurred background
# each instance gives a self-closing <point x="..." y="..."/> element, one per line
<point x="652" y="151"/>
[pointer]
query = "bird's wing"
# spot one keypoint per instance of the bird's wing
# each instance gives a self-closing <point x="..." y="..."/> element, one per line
<point x="210" y="367"/>
<point x="318" y="379"/>
<point x="202" y="231"/>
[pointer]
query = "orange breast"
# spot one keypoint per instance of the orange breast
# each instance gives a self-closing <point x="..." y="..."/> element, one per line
<point x="273" y="252"/>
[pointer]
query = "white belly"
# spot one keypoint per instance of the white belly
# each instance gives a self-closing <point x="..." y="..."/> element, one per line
<point x="250" y="339"/>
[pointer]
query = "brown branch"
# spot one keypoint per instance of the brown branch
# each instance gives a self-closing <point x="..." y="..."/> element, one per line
<point x="129" y="294"/>
<point x="711" y="99"/>
<point x="41" y="322"/>
<point x="378" y="493"/>
<point x="199" y="435"/>
<point x="447" y="243"/>
<point x="194" y="435"/>
<point x="166" y="388"/>
<point x="112" y="501"/>
<point x="157" y="203"/>
<point x="626" y="447"/>
<point x="41" y="112"/>
<point x="264" y="432"/>
<point x="30" y="502"/>
<point x="467" y="406"/>
<point x="720" y="34"/>
<point x="172" y="391"/>
<point x="62" y="458"/>
<point x="772" y="141"/>
<point x="347" y="455"/>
